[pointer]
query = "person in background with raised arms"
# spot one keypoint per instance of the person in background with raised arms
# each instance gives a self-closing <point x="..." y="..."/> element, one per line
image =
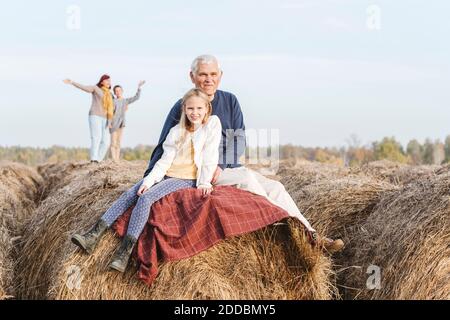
<point x="117" y="124"/>
<point x="100" y="115"/>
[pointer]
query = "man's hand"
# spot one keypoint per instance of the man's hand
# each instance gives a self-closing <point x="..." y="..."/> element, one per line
<point x="205" y="190"/>
<point x="67" y="81"/>
<point x="216" y="175"/>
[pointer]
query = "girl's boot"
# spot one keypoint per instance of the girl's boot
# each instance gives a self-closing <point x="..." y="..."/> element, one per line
<point x="89" y="240"/>
<point x="122" y="255"/>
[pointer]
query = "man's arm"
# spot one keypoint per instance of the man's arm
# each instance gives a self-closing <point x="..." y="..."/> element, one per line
<point x="172" y="119"/>
<point x="234" y="138"/>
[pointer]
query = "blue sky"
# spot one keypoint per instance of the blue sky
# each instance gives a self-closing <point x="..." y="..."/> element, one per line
<point x="311" y="69"/>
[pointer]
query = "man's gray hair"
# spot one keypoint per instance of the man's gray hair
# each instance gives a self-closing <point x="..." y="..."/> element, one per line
<point x="205" y="58"/>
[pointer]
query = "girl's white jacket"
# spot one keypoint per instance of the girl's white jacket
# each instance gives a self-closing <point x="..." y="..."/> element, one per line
<point x="206" y="141"/>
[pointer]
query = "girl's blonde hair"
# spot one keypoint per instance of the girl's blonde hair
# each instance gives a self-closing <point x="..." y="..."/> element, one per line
<point x="185" y="123"/>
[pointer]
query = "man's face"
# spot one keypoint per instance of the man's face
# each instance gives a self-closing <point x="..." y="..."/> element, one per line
<point x="207" y="77"/>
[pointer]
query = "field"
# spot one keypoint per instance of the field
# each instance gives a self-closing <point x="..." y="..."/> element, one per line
<point x="394" y="220"/>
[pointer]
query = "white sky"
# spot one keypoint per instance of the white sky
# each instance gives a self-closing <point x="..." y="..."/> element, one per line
<point x="311" y="69"/>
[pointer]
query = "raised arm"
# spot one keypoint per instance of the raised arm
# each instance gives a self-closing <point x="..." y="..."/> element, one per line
<point x="89" y="89"/>
<point x="133" y="99"/>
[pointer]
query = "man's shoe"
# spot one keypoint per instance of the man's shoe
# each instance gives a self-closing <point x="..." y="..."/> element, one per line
<point x="122" y="255"/>
<point x="89" y="240"/>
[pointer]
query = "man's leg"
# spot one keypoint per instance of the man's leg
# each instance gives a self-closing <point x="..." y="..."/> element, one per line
<point x="247" y="179"/>
<point x="276" y="192"/>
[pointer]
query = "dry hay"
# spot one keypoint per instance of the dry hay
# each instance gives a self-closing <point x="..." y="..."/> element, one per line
<point x="394" y="172"/>
<point x="297" y="174"/>
<point x="273" y="263"/>
<point x="19" y="188"/>
<point x="407" y="237"/>
<point x="59" y="174"/>
<point x="82" y="194"/>
<point x="336" y="205"/>
<point x="276" y="262"/>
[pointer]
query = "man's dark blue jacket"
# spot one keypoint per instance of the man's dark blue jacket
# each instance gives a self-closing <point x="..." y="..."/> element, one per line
<point x="224" y="105"/>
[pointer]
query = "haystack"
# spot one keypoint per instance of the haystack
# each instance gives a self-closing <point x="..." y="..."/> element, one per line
<point x="407" y="240"/>
<point x="337" y="205"/>
<point x="19" y="194"/>
<point x="273" y="263"/>
<point x="394" y="172"/>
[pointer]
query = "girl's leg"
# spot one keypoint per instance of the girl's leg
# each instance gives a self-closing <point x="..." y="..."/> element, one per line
<point x="105" y="139"/>
<point x="119" y="142"/>
<point x="126" y="200"/>
<point x="141" y="212"/>
<point x="95" y="130"/>
<point x="114" y="143"/>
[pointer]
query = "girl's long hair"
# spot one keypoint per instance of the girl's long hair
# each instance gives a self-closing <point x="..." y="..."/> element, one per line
<point x="185" y="123"/>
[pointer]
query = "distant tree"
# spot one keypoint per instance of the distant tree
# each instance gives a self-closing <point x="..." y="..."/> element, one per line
<point x="447" y="149"/>
<point x="389" y="149"/>
<point x="414" y="151"/>
<point x="428" y="150"/>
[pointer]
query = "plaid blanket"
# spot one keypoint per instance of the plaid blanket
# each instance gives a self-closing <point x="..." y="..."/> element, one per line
<point x="184" y="223"/>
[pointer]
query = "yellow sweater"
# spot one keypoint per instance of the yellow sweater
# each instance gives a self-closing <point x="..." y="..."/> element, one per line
<point x="183" y="166"/>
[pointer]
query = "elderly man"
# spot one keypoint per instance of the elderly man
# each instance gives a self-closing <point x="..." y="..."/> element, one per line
<point x="206" y="75"/>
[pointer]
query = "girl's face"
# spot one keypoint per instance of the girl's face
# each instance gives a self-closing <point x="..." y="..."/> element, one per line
<point x="195" y="109"/>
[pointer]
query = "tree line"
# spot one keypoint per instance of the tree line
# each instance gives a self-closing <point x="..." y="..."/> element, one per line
<point x="353" y="154"/>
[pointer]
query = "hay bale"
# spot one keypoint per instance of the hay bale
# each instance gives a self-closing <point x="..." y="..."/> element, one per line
<point x="407" y="237"/>
<point x="19" y="193"/>
<point x="57" y="175"/>
<point x="6" y="264"/>
<point x="337" y="205"/>
<point x="296" y="175"/>
<point x="394" y="172"/>
<point x="272" y="263"/>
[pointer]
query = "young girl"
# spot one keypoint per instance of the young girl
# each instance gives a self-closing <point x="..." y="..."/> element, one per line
<point x="100" y="115"/>
<point x="118" y="121"/>
<point x="190" y="157"/>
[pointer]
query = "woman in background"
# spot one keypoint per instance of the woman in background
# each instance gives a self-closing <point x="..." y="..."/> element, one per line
<point x="100" y="115"/>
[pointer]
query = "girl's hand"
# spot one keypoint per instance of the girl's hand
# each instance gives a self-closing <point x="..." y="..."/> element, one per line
<point x="143" y="188"/>
<point x="67" y="81"/>
<point x="205" y="190"/>
<point x="141" y="83"/>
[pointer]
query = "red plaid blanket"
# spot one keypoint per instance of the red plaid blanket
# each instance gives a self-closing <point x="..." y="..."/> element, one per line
<point x="184" y="223"/>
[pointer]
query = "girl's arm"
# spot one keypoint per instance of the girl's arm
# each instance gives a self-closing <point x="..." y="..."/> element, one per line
<point x="210" y="154"/>
<point x="133" y="99"/>
<point x="163" y="164"/>
<point x="138" y="94"/>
